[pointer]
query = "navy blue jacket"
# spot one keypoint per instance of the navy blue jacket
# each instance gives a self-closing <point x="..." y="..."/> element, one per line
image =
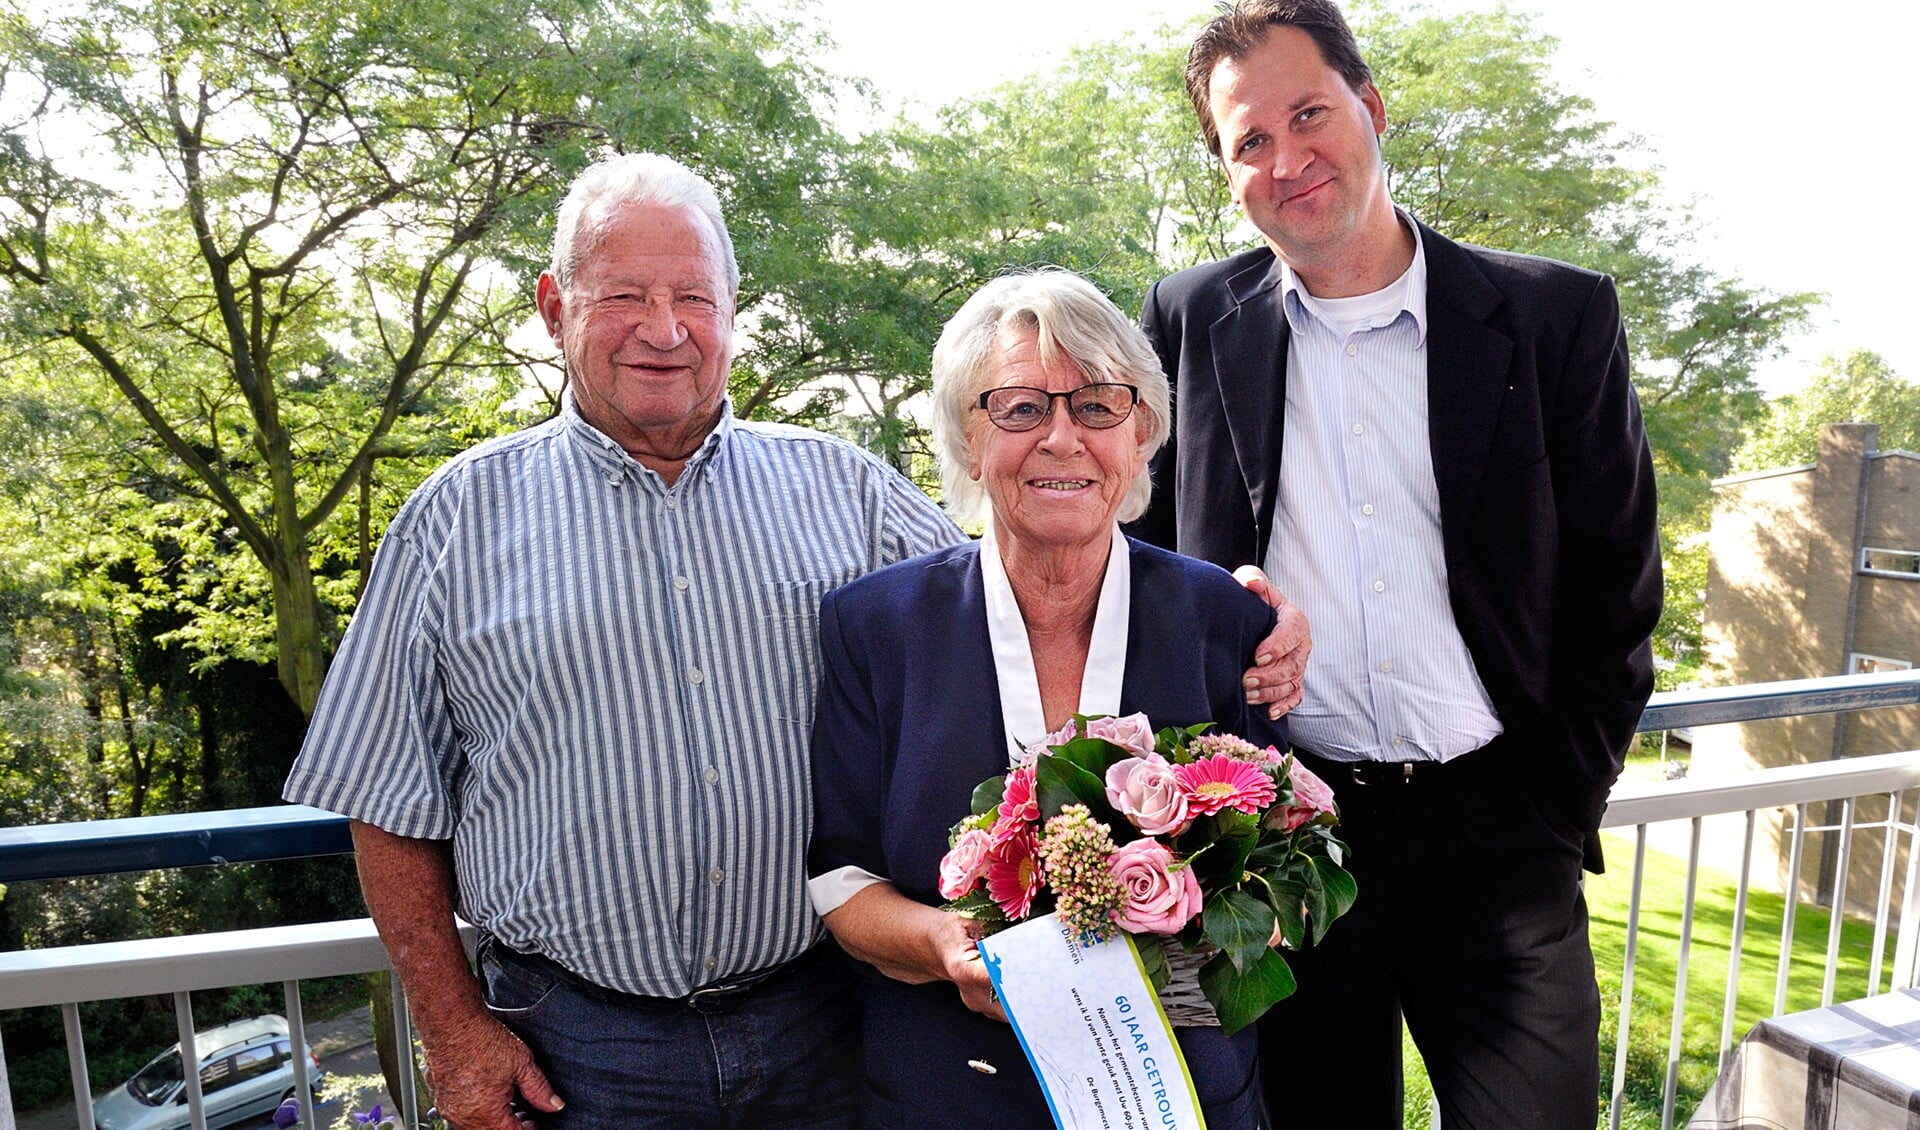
<point x="909" y="721"/>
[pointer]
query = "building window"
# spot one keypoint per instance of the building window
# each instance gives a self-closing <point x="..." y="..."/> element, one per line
<point x="1863" y="664"/>
<point x="1891" y="562"/>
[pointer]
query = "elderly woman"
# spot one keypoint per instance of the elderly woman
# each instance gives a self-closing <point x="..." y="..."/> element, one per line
<point x="1048" y="404"/>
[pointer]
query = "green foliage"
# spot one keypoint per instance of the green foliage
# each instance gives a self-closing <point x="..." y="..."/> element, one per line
<point x="299" y="291"/>
<point x="1857" y="386"/>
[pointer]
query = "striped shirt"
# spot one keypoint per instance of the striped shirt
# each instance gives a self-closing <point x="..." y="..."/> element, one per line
<point x="1356" y="538"/>
<point x="600" y="688"/>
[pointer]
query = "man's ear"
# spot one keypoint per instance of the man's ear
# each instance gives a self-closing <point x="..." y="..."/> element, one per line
<point x="546" y="297"/>
<point x="1376" y="108"/>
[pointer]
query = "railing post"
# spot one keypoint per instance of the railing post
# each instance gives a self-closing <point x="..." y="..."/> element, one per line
<point x="1621" y="1041"/>
<point x="77" y="1064"/>
<point x="297" y="1044"/>
<point x="408" y="1098"/>
<point x="1908" y="943"/>
<point x="1839" y="912"/>
<point x="6" y="1093"/>
<point x="190" y="1060"/>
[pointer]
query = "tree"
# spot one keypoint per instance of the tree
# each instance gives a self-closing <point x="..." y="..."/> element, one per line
<point x="1858" y="386"/>
<point x="318" y="242"/>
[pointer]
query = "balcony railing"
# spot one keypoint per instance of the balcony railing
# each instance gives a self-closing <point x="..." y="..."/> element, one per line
<point x="67" y="977"/>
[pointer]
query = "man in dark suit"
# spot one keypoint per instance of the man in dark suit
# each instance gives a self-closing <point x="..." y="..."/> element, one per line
<point x="1436" y="452"/>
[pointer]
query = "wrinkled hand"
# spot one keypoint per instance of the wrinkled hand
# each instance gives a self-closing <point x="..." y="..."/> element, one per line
<point x="478" y="1070"/>
<point x="1280" y="662"/>
<point x="961" y="958"/>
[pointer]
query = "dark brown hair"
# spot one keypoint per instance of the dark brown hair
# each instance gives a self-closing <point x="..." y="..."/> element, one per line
<point x="1243" y="25"/>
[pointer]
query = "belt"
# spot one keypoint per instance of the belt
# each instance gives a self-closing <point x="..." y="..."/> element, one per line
<point x="717" y="995"/>
<point x="1488" y="760"/>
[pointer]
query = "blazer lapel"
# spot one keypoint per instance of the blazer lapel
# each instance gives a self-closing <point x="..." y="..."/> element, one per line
<point x="1250" y="365"/>
<point x="1468" y="363"/>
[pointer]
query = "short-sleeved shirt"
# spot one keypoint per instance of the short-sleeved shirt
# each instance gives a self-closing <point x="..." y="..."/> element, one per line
<point x="599" y="688"/>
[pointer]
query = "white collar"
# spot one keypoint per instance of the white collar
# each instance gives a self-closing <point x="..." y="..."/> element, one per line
<point x="1013" y="654"/>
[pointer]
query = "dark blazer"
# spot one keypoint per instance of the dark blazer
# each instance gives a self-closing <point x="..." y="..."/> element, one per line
<point x="1547" y="507"/>
<point x="909" y="721"/>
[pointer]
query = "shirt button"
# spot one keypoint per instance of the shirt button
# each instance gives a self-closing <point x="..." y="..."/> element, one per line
<point x="711" y="775"/>
<point x="1378" y="586"/>
<point x="1359" y="429"/>
<point x="673" y="503"/>
<point x="680" y="583"/>
<point x="697" y="676"/>
<point x="718" y="876"/>
<point x="713" y="963"/>
<point x="613" y="478"/>
<point x="1351" y="350"/>
<point x="1367" y="510"/>
<point x="1398" y="742"/>
<point x="1386" y="668"/>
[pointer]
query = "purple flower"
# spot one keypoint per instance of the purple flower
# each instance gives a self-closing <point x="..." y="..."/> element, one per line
<point x="372" y="1118"/>
<point x="288" y="1114"/>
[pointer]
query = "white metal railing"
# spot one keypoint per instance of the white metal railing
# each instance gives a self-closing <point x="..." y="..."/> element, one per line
<point x="1642" y="805"/>
<point x="180" y="966"/>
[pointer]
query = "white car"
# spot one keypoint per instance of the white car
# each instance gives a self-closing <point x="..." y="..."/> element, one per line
<point x="246" y="1072"/>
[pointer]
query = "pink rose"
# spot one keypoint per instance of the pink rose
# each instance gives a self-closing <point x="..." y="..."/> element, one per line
<point x="964" y="863"/>
<point x="1147" y="793"/>
<point x="1061" y="736"/>
<point x="1160" y="898"/>
<point x="1131" y="733"/>
<point x="1312" y="799"/>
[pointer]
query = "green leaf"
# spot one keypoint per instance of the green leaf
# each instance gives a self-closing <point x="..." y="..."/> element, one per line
<point x="1240" y="996"/>
<point x="1339" y="892"/>
<point x="1059" y="783"/>
<point x="1153" y="958"/>
<point x="1221" y="863"/>
<point x="987" y="794"/>
<point x="1094" y="755"/>
<point x="1239" y="924"/>
<point x="977" y="905"/>
<point x="1273" y="851"/>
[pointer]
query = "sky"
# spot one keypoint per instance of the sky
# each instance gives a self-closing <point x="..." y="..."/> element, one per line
<point x="1793" y="139"/>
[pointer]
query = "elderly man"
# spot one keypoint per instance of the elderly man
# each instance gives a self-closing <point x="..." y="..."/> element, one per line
<point x="1436" y="451"/>
<point x="573" y="707"/>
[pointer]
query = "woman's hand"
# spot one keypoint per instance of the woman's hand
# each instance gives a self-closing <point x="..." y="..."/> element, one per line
<point x="915" y="943"/>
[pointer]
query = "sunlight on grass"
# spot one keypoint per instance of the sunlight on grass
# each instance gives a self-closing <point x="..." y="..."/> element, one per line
<point x="1662" y="902"/>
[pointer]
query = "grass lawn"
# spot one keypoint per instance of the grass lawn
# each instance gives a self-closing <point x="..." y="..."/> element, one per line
<point x="1662" y="901"/>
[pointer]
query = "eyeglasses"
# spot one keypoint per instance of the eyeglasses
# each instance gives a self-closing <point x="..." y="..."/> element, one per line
<point x="1017" y="408"/>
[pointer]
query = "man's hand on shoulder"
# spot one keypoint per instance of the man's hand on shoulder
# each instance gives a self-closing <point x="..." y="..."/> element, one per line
<point x="478" y="1070"/>
<point x="1280" y="662"/>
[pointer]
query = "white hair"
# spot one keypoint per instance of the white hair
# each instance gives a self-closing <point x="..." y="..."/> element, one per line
<point x="632" y="178"/>
<point x="1069" y="316"/>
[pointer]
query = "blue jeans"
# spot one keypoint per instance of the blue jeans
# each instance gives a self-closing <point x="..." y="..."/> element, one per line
<point x="783" y="1053"/>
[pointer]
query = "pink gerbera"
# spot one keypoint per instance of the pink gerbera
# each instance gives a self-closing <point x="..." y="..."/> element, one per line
<point x="1018" y="806"/>
<point x="1013" y="875"/>
<point x="1220" y="781"/>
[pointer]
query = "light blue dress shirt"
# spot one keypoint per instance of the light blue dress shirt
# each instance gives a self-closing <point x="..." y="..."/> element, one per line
<point x="1356" y="538"/>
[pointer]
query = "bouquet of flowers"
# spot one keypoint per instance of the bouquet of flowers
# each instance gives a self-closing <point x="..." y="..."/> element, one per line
<point x="1182" y="834"/>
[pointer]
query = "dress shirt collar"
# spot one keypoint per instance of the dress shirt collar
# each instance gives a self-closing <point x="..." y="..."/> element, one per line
<point x="602" y="449"/>
<point x="1410" y="287"/>
<point x="1014" y="672"/>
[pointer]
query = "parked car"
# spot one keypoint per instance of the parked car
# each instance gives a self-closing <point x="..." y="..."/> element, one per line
<point x="246" y="1072"/>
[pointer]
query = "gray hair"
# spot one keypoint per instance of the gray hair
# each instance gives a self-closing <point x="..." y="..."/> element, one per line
<point x="1070" y="317"/>
<point x="632" y="178"/>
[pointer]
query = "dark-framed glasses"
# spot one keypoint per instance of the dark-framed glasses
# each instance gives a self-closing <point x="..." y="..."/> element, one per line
<point x="1018" y="408"/>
